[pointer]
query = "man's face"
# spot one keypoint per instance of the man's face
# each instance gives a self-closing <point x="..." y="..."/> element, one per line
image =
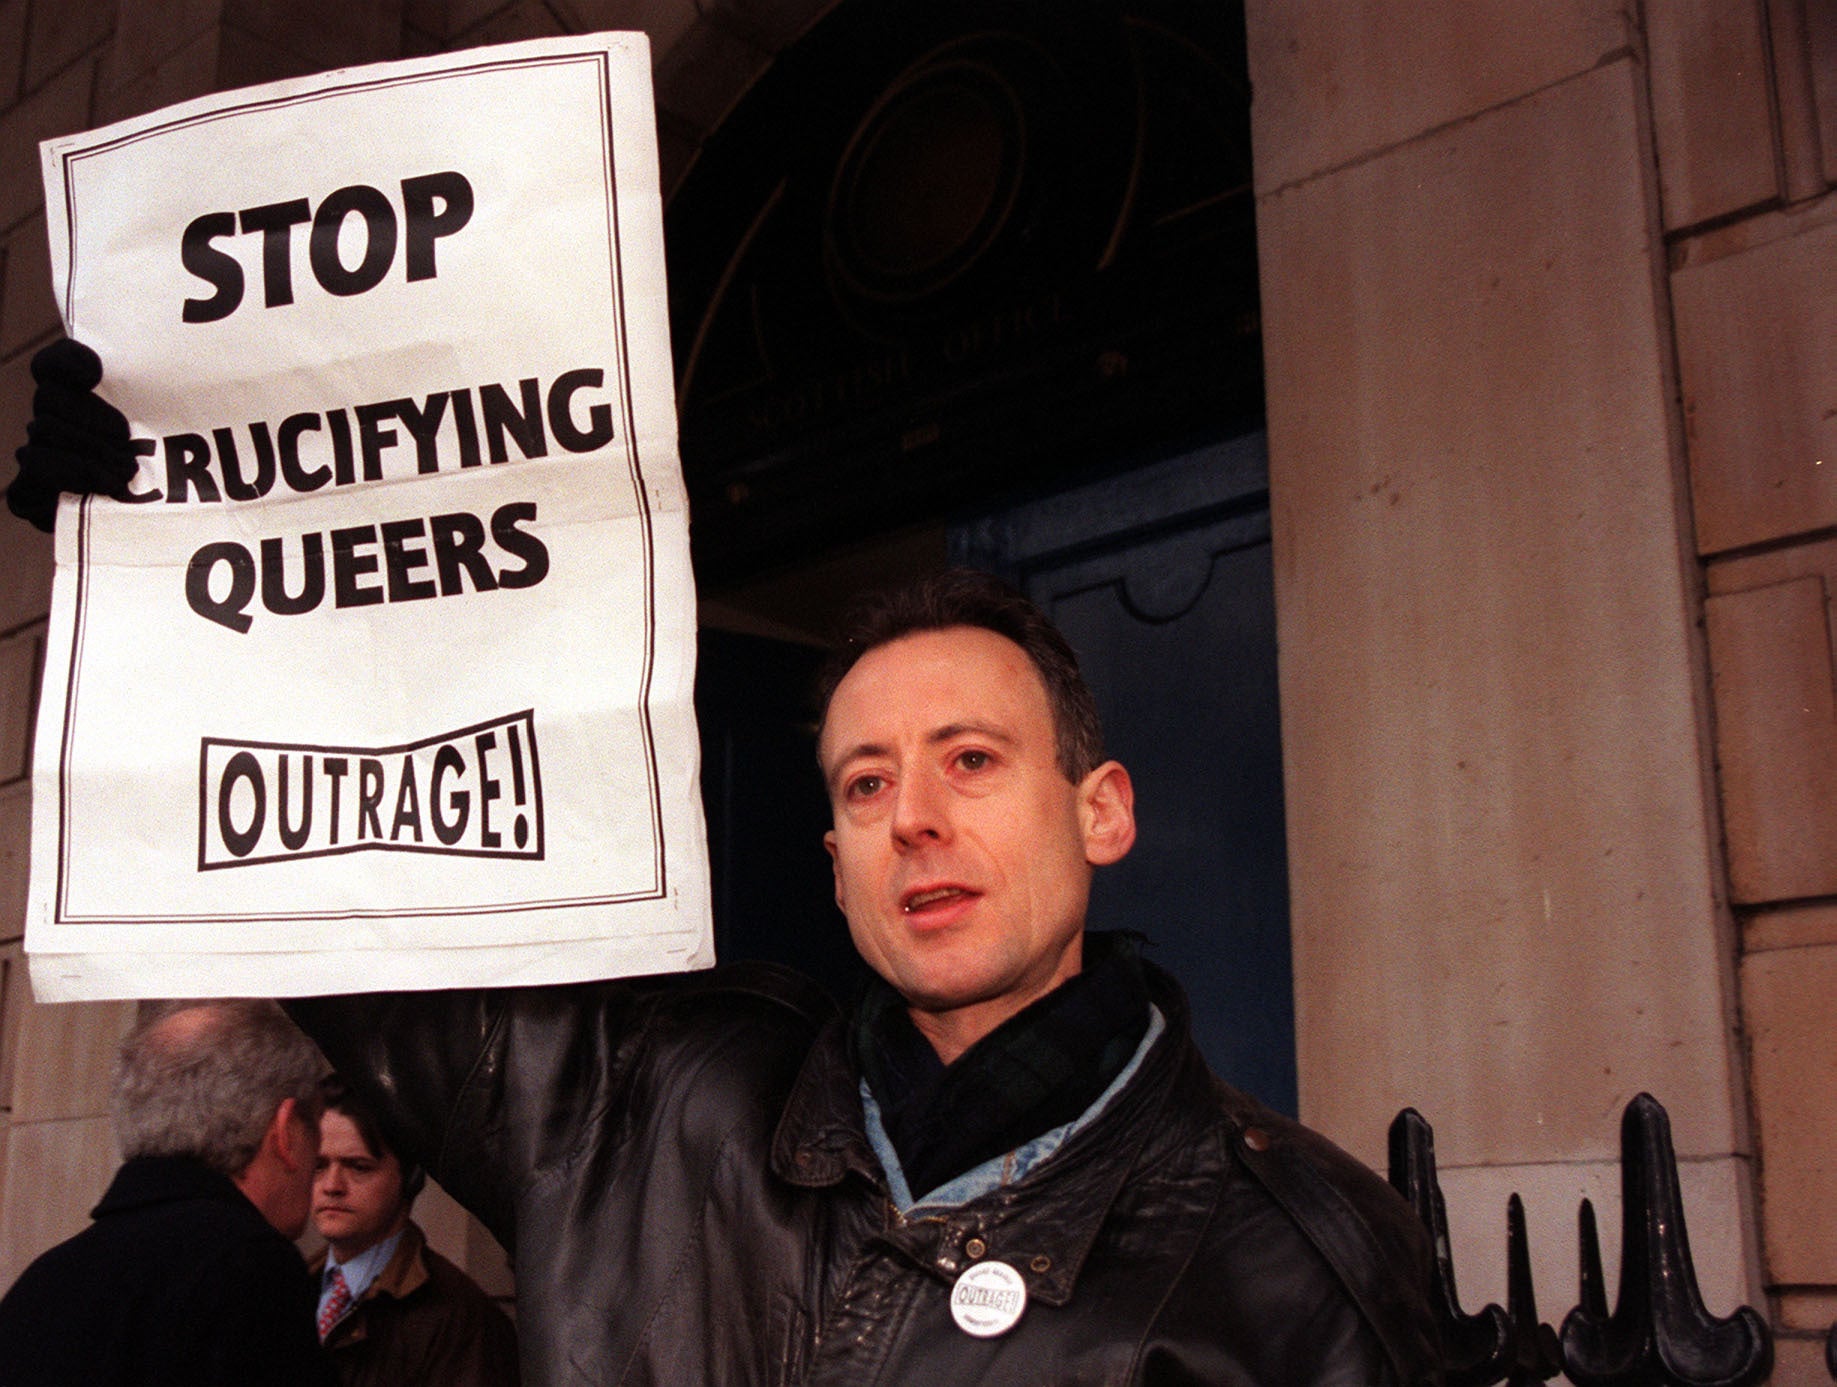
<point x="357" y="1196"/>
<point x="962" y="853"/>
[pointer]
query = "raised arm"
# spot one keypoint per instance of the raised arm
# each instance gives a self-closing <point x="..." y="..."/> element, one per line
<point x="486" y="1088"/>
<point x="431" y="1065"/>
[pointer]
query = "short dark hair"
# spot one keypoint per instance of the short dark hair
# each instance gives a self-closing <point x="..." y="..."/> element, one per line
<point x="966" y="597"/>
<point x="370" y="1132"/>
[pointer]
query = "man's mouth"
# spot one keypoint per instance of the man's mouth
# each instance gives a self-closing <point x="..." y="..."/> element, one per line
<point x="931" y="895"/>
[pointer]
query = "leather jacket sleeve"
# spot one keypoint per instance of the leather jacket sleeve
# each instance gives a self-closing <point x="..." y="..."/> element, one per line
<point x="424" y="1061"/>
<point x="486" y="1086"/>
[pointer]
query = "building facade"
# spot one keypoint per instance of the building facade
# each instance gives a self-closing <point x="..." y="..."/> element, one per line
<point x="1547" y="303"/>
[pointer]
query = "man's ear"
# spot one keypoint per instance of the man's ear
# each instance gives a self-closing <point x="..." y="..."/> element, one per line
<point x="835" y="865"/>
<point x="290" y="1137"/>
<point x="1106" y="814"/>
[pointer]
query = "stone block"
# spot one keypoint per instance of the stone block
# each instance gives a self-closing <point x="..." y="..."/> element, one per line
<point x="15" y="994"/>
<point x="462" y="1239"/>
<point x="450" y="18"/>
<point x="366" y="31"/>
<point x="418" y="43"/>
<point x="427" y="18"/>
<point x="25" y="563"/>
<point x="665" y="21"/>
<point x="246" y="59"/>
<point x="443" y="1220"/>
<point x="1337" y="83"/>
<point x="15" y="862"/>
<point x="1776" y="738"/>
<point x="772" y="24"/>
<point x="512" y="24"/>
<point x="25" y="553"/>
<point x="60" y="34"/>
<point x="187" y="71"/>
<point x="60" y="107"/>
<point x="1798" y="1361"/>
<point x="28" y="308"/>
<point x="1786" y="1005"/>
<point x="677" y="146"/>
<point x="1807" y="1309"/>
<point x="704" y="74"/>
<point x="487" y="1262"/>
<point x="66" y="1058"/>
<point x="55" y="1173"/>
<point x="1711" y="108"/>
<point x="1821" y="44"/>
<point x="21" y="655"/>
<point x="1499" y="833"/>
<point x="13" y="17"/>
<point x="150" y="32"/>
<point x="1790" y="926"/>
<point x="1757" y="357"/>
<point x="1764" y="568"/>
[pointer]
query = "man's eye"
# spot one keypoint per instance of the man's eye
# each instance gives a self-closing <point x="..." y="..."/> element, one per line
<point x="973" y="760"/>
<point x="863" y="786"/>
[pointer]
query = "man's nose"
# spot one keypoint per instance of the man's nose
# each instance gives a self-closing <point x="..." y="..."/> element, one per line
<point x="921" y="812"/>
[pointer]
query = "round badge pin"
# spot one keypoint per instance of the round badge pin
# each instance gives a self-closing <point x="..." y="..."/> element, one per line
<point x="989" y="1299"/>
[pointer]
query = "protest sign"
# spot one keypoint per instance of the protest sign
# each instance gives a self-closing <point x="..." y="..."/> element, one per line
<point x="383" y="678"/>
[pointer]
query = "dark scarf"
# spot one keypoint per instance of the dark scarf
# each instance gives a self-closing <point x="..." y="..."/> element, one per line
<point x="1039" y="1069"/>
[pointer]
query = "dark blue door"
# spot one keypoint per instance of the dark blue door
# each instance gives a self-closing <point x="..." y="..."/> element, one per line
<point x="1162" y="580"/>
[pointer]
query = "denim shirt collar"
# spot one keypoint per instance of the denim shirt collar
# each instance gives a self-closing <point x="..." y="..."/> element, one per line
<point x="1007" y="1169"/>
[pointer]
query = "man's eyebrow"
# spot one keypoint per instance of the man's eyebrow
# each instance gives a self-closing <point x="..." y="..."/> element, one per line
<point x="854" y="753"/>
<point x="951" y="731"/>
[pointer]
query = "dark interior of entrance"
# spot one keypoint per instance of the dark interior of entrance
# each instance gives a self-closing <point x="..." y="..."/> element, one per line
<point x="976" y="282"/>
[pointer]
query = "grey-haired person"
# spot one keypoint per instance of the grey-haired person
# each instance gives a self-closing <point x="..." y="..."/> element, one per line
<point x="188" y="1273"/>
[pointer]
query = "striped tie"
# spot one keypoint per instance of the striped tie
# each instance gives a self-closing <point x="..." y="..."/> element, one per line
<point x="335" y="1304"/>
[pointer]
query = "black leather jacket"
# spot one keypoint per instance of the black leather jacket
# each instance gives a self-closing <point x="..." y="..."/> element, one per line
<point x="680" y="1170"/>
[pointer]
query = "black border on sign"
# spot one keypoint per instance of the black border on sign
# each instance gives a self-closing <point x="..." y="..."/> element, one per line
<point x="526" y="718"/>
<point x="61" y="913"/>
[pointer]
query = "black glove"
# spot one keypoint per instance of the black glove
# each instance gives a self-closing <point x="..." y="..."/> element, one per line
<point x="77" y="441"/>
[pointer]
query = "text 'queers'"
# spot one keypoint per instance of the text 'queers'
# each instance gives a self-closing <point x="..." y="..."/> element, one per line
<point x="394" y="561"/>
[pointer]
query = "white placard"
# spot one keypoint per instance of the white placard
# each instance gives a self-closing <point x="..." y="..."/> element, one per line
<point x="384" y="680"/>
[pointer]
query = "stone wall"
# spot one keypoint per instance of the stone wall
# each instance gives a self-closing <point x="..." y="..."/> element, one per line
<point x="1548" y="298"/>
<point x="1751" y="230"/>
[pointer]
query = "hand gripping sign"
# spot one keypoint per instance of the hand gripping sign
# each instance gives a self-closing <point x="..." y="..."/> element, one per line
<point x="382" y="677"/>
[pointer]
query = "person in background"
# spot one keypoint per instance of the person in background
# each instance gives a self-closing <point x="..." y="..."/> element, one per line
<point x="392" y="1311"/>
<point x="188" y="1277"/>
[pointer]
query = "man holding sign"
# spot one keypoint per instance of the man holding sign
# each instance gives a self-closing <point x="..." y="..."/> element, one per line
<point x="1007" y="1165"/>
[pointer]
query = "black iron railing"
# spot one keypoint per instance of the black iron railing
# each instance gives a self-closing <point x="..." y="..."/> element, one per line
<point x="1658" y="1333"/>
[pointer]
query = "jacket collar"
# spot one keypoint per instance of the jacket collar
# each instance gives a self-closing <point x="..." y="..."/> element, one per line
<point x="1044" y="1226"/>
<point x="146" y="1180"/>
<point x="404" y="1273"/>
